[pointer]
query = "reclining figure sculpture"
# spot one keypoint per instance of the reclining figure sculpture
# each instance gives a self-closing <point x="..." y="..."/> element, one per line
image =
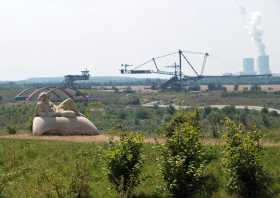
<point x="64" y="119"/>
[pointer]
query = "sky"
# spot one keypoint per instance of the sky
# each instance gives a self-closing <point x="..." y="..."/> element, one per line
<point x="49" y="38"/>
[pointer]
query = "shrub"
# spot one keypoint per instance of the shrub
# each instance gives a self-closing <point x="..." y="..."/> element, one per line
<point x="179" y="119"/>
<point x="184" y="161"/>
<point x="30" y="123"/>
<point x="125" y="164"/>
<point x="206" y="111"/>
<point x="11" y="130"/>
<point x="264" y="110"/>
<point x="143" y="114"/>
<point x="215" y="119"/>
<point x="266" y="121"/>
<point x="134" y="101"/>
<point x="245" y="175"/>
<point x="171" y="109"/>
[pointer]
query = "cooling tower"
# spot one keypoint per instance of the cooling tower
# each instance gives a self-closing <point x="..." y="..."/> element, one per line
<point x="263" y="65"/>
<point x="248" y="66"/>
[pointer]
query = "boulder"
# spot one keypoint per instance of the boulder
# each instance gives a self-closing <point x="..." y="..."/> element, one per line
<point x="63" y="126"/>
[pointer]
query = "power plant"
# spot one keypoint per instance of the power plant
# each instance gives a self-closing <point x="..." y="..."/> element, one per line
<point x="248" y="66"/>
<point x="263" y="65"/>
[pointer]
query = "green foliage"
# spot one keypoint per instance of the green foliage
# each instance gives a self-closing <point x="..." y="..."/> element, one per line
<point x="184" y="162"/>
<point x="143" y="114"/>
<point x="11" y="130"/>
<point x="134" y="100"/>
<point x="71" y="181"/>
<point x="10" y="168"/>
<point x="245" y="174"/>
<point x="171" y="109"/>
<point x="212" y="119"/>
<point x="264" y="111"/>
<point x="29" y="161"/>
<point x="7" y="177"/>
<point x="178" y="119"/>
<point x="16" y="115"/>
<point x="216" y="119"/>
<point x="81" y="176"/>
<point x="53" y="184"/>
<point x="125" y="163"/>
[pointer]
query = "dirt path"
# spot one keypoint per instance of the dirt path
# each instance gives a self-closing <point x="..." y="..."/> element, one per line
<point x="106" y="137"/>
<point x="96" y="138"/>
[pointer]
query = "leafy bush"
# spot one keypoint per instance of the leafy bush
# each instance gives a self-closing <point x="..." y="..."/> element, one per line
<point x="143" y="114"/>
<point x="184" y="161"/>
<point x="171" y="109"/>
<point x="179" y="119"/>
<point x="11" y="130"/>
<point x="125" y="164"/>
<point x="134" y="100"/>
<point x="264" y="110"/>
<point x="245" y="175"/>
<point x="215" y="119"/>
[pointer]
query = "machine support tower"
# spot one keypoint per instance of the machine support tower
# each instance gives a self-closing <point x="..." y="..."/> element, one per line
<point x="180" y="65"/>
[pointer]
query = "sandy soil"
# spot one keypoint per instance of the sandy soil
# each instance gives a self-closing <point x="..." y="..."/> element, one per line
<point x="96" y="138"/>
<point x="106" y="137"/>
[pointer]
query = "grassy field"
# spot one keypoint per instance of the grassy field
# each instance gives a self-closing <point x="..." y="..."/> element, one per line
<point x="43" y="168"/>
<point x="47" y="168"/>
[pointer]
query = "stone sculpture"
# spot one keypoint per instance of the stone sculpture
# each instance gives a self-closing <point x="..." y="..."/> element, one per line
<point x="62" y="119"/>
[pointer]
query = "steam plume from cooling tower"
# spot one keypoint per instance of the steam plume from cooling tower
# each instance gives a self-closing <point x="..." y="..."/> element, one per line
<point x="256" y="32"/>
<point x="253" y="25"/>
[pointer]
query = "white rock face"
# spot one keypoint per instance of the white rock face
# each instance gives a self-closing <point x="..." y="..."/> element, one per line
<point x="63" y="126"/>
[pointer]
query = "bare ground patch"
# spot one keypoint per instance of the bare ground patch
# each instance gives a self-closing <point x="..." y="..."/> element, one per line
<point x="106" y="137"/>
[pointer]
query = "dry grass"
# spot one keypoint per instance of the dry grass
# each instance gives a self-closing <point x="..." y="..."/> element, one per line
<point x="106" y="137"/>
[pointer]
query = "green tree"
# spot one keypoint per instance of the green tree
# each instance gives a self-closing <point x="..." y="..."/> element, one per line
<point x="171" y="109"/>
<point x="125" y="163"/>
<point x="245" y="174"/>
<point x="264" y="110"/>
<point x="184" y="162"/>
<point x="178" y="119"/>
